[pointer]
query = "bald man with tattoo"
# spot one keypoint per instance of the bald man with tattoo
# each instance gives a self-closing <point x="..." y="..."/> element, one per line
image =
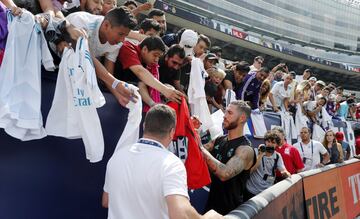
<point x="230" y="159"/>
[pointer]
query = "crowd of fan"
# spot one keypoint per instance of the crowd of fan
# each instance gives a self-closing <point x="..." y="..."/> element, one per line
<point x="146" y="55"/>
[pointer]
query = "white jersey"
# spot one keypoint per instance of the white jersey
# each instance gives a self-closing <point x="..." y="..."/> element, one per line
<point x="310" y="153"/>
<point x="140" y="177"/>
<point x="73" y="112"/>
<point x="196" y="93"/>
<point x="91" y="23"/>
<point x="130" y="133"/>
<point x="20" y="78"/>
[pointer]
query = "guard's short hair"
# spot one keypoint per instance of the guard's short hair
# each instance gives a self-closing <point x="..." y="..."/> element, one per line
<point x="242" y="107"/>
<point x="153" y="43"/>
<point x="159" y="120"/>
<point x="272" y="137"/>
<point x="121" y="16"/>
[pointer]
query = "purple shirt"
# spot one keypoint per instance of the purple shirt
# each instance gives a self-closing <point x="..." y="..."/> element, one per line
<point x="3" y="26"/>
<point x="250" y="90"/>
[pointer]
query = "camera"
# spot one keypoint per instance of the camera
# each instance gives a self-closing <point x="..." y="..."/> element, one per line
<point x="265" y="177"/>
<point x="262" y="148"/>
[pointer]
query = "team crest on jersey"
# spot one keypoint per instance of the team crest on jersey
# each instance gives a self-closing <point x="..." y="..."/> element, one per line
<point x="180" y="148"/>
<point x="230" y="152"/>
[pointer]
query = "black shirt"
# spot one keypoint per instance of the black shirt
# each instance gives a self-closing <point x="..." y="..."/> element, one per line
<point x="230" y="76"/>
<point x="226" y="196"/>
<point x="167" y="75"/>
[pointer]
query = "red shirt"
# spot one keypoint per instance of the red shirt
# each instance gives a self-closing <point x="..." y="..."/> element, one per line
<point x="129" y="55"/>
<point x="291" y="157"/>
<point x="357" y="145"/>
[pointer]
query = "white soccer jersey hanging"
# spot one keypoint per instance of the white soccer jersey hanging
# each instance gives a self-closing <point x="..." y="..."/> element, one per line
<point x="20" y="78"/>
<point x="73" y="112"/>
<point x="130" y="134"/>
<point x="196" y="94"/>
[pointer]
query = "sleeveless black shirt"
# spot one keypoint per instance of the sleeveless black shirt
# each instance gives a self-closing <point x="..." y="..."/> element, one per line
<point x="228" y="195"/>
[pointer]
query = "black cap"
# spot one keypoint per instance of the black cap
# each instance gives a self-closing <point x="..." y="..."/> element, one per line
<point x="212" y="56"/>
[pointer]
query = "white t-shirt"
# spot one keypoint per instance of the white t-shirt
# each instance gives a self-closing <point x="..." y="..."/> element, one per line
<point x="91" y="23"/>
<point x="312" y="152"/>
<point x="280" y="93"/>
<point x="139" y="178"/>
<point x="299" y="78"/>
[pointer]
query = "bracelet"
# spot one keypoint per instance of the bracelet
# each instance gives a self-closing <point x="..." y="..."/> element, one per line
<point x="115" y="83"/>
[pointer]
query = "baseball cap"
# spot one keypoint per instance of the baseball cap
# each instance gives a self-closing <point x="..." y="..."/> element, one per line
<point x="312" y="79"/>
<point x="321" y="83"/>
<point x="339" y="136"/>
<point x="188" y="40"/>
<point x="212" y="56"/>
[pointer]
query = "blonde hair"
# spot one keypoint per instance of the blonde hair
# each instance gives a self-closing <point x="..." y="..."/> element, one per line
<point x="216" y="72"/>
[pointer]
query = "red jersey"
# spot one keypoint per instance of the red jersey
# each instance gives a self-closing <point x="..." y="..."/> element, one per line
<point x="185" y="143"/>
<point x="291" y="157"/>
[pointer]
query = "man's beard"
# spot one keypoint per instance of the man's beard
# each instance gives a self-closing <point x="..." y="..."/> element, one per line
<point x="232" y="125"/>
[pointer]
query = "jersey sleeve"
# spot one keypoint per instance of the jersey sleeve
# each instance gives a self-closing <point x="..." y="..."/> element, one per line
<point x="174" y="177"/>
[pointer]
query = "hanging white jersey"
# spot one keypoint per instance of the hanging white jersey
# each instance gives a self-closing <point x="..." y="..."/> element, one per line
<point x="257" y="119"/>
<point x="20" y="78"/>
<point x="73" y="112"/>
<point x="130" y="134"/>
<point x="288" y="124"/>
<point x="230" y="96"/>
<point x="196" y="94"/>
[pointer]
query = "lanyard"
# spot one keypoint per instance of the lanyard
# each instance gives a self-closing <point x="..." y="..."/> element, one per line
<point x="149" y="142"/>
<point x="312" y="149"/>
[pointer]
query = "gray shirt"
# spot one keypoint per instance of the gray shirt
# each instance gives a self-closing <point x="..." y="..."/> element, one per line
<point x="256" y="182"/>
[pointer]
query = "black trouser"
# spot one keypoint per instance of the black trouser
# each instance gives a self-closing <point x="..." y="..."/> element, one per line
<point x="247" y="195"/>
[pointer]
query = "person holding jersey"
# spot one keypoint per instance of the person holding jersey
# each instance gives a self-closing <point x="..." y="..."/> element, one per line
<point x="145" y="180"/>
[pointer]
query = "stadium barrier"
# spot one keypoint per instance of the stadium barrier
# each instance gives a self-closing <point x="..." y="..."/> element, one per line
<point x="330" y="192"/>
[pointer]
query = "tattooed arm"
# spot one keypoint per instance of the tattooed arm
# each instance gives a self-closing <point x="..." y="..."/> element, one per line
<point x="242" y="160"/>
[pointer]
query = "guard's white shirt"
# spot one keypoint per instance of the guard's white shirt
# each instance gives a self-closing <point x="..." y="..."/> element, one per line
<point x="312" y="156"/>
<point x="91" y="23"/>
<point x="139" y="178"/>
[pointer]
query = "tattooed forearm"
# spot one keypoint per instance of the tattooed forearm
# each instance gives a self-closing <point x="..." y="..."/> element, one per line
<point x="224" y="171"/>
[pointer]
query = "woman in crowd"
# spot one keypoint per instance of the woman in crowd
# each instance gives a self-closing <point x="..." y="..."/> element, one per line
<point x="264" y="94"/>
<point x="333" y="147"/>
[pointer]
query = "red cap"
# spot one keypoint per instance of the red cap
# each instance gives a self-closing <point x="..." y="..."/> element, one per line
<point x="339" y="136"/>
